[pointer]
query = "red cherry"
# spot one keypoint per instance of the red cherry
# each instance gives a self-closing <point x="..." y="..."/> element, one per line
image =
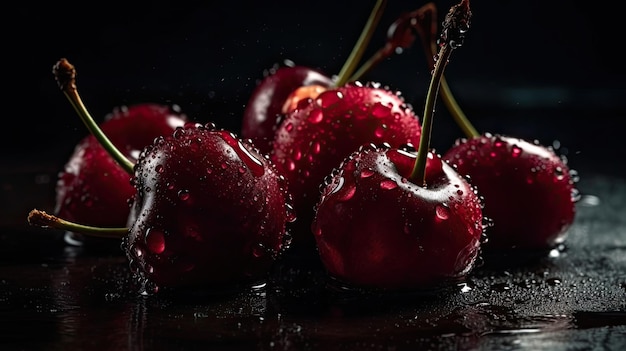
<point x="265" y="107"/>
<point x="528" y="190"/>
<point x="92" y="183"/>
<point x="313" y="139"/>
<point x="389" y="219"/>
<point x="284" y="87"/>
<point x="210" y="210"/>
<point x="375" y="227"/>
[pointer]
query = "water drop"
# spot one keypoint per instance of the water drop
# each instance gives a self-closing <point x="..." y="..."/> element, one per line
<point x="380" y="111"/>
<point x="183" y="195"/>
<point x="442" y="212"/>
<point x="587" y="200"/>
<point x="388" y="184"/>
<point x="258" y="251"/>
<point x="366" y="173"/>
<point x="516" y="151"/>
<point x="329" y="99"/>
<point x="380" y="131"/>
<point x="554" y="281"/>
<point x="155" y="240"/>
<point x="316" y="116"/>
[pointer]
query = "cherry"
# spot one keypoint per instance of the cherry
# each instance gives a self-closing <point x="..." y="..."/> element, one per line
<point x="92" y="183"/>
<point x="391" y="219"/>
<point x="314" y="138"/>
<point x="265" y="107"/>
<point x="284" y="86"/>
<point x="529" y="191"/>
<point x="209" y="210"/>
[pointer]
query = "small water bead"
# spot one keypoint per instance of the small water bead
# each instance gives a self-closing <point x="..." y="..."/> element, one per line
<point x="348" y="193"/>
<point x="442" y="212"/>
<point x="329" y="98"/>
<point x="290" y="213"/>
<point x="366" y="173"/>
<point x="258" y="250"/>
<point x="316" y="116"/>
<point x="183" y="194"/>
<point x="289" y="127"/>
<point x="316" y="147"/>
<point x="516" y="151"/>
<point x="553" y="281"/>
<point x="338" y="185"/>
<point x="558" y="174"/>
<point x="388" y="184"/>
<point x="297" y="155"/>
<point x="574" y="175"/>
<point x="148" y="268"/>
<point x="576" y="197"/>
<point x="380" y="130"/>
<point x="381" y="111"/>
<point x="155" y="240"/>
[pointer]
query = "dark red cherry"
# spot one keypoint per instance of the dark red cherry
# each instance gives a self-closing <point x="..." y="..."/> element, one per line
<point x="528" y="189"/>
<point x="313" y="139"/>
<point x="210" y="211"/>
<point x="93" y="188"/>
<point x="266" y="105"/>
<point x="376" y="227"/>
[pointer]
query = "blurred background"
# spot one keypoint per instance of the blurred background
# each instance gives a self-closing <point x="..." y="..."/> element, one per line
<point x="545" y="70"/>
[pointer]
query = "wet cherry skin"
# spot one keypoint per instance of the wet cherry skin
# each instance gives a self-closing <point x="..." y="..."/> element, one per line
<point x="210" y="211"/>
<point x="376" y="228"/>
<point x="92" y="188"/>
<point x="529" y="191"/>
<point x="264" y="109"/>
<point x="314" y="138"/>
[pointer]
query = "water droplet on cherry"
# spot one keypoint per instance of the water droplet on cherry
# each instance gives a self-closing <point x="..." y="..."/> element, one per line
<point x="388" y="184"/>
<point x="155" y="240"/>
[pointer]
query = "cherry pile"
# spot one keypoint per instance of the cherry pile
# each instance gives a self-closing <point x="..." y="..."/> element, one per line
<point x="337" y="166"/>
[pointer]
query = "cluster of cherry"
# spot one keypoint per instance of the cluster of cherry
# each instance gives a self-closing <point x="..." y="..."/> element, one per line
<point x="331" y="165"/>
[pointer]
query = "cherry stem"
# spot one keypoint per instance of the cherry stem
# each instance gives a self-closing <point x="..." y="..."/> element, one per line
<point x="452" y="36"/>
<point x="424" y="25"/>
<point x="400" y="35"/>
<point x="42" y="219"/>
<point x="359" y="48"/>
<point x="65" y="75"/>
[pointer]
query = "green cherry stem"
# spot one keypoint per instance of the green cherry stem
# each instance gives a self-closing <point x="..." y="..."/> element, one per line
<point x="419" y="168"/>
<point x="65" y="75"/>
<point x="451" y="104"/>
<point x="423" y="27"/>
<point x="42" y="219"/>
<point x="453" y="33"/>
<point x="359" y="48"/>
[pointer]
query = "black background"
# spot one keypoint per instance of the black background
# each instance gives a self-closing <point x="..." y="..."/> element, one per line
<point x="546" y="70"/>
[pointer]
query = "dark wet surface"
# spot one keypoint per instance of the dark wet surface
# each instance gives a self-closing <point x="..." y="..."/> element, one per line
<point x="59" y="297"/>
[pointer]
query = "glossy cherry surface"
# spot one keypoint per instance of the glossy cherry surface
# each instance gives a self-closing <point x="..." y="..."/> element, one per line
<point x="313" y="139"/>
<point x="264" y="109"/>
<point x="210" y="211"/>
<point x="529" y="191"/>
<point x="376" y="228"/>
<point x="92" y="188"/>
